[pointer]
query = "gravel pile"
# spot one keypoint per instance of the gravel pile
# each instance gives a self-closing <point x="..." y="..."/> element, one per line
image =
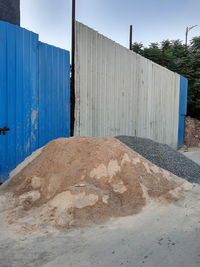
<point x="165" y="157"/>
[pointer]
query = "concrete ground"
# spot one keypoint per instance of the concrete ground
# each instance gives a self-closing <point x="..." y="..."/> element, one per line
<point x="160" y="236"/>
<point x="193" y="153"/>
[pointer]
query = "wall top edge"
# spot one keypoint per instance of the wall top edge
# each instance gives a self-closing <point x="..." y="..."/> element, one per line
<point x="126" y="49"/>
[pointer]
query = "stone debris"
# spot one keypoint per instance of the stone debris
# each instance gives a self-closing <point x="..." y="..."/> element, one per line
<point x="164" y="156"/>
<point x="192" y="132"/>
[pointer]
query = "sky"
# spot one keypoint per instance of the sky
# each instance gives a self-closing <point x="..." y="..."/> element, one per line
<point x="152" y="20"/>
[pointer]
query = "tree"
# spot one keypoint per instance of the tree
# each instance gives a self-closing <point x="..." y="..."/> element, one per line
<point x="166" y="44"/>
<point x="154" y="45"/>
<point x="138" y="48"/>
<point x="174" y="55"/>
<point x="195" y="45"/>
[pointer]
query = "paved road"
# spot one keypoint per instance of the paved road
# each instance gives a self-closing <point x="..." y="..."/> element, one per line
<point x="193" y="154"/>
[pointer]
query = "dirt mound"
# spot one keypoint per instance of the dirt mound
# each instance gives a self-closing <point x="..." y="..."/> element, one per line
<point x="79" y="180"/>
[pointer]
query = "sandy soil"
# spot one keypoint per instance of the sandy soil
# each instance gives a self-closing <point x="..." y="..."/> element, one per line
<point x="82" y="181"/>
<point x="160" y="236"/>
<point x="89" y="182"/>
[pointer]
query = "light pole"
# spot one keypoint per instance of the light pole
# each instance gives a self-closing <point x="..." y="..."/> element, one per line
<point x="186" y="33"/>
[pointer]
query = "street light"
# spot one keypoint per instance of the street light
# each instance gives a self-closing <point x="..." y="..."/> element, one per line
<point x="186" y="33"/>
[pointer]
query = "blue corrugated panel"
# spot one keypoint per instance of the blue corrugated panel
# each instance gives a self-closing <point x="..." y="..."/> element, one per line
<point x="34" y="95"/>
<point x="19" y="70"/>
<point x="182" y="109"/>
<point x="3" y="99"/>
<point x="25" y="100"/>
<point x="54" y="91"/>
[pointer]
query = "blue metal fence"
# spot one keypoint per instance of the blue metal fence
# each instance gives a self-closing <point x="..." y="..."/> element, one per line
<point x="54" y="92"/>
<point x="34" y="95"/>
<point x="182" y="109"/>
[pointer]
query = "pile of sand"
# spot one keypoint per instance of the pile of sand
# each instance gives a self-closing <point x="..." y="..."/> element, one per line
<point x="79" y="180"/>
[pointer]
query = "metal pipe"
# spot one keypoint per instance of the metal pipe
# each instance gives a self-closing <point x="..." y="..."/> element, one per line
<point x="186" y="36"/>
<point x="73" y="67"/>
<point x="131" y="37"/>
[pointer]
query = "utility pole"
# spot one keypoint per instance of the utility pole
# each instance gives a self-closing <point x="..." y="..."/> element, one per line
<point x="131" y="37"/>
<point x="186" y="34"/>
<point x="73" y="67"/>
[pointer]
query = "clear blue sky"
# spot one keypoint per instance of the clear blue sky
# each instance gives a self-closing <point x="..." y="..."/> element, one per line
<point x="153" y="20"/>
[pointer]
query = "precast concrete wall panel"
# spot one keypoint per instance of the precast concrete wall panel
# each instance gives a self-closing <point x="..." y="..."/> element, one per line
<point x="119" y="92"/>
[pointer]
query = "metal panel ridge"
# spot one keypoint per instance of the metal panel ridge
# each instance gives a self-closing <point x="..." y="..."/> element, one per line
<point x="119" y="92"/>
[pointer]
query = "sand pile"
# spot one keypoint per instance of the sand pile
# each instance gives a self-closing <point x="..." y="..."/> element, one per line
<point x="81" y="180"/>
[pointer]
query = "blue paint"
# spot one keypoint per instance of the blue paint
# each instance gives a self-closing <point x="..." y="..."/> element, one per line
<point x="3" y="97"/>
<point x="34" y="95"/>
<point x="182" y="109"/>
<point x="54" y="91"/>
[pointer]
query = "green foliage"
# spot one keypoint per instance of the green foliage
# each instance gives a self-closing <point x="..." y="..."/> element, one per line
<point x="174" y="55"/>
<point x="138" y="48"/>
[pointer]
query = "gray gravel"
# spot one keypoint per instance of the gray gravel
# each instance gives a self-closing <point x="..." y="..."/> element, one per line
<point x="165" y="157"/>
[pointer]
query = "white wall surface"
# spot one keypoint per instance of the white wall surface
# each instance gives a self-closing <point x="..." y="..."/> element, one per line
<point x="119" y="92"/>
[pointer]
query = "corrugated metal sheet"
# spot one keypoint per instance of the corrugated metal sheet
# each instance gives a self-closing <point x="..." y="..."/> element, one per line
<point x="34" y="98"/>
<point x="54" y="92"/>
<point x="118" y="92"/>
<point x="18" y="95"/>
<point x="182" y="109"/>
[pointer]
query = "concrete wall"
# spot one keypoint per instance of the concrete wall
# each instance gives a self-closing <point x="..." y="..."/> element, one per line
<point x="10" y="11"/>
<point x="119" y="92"/>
